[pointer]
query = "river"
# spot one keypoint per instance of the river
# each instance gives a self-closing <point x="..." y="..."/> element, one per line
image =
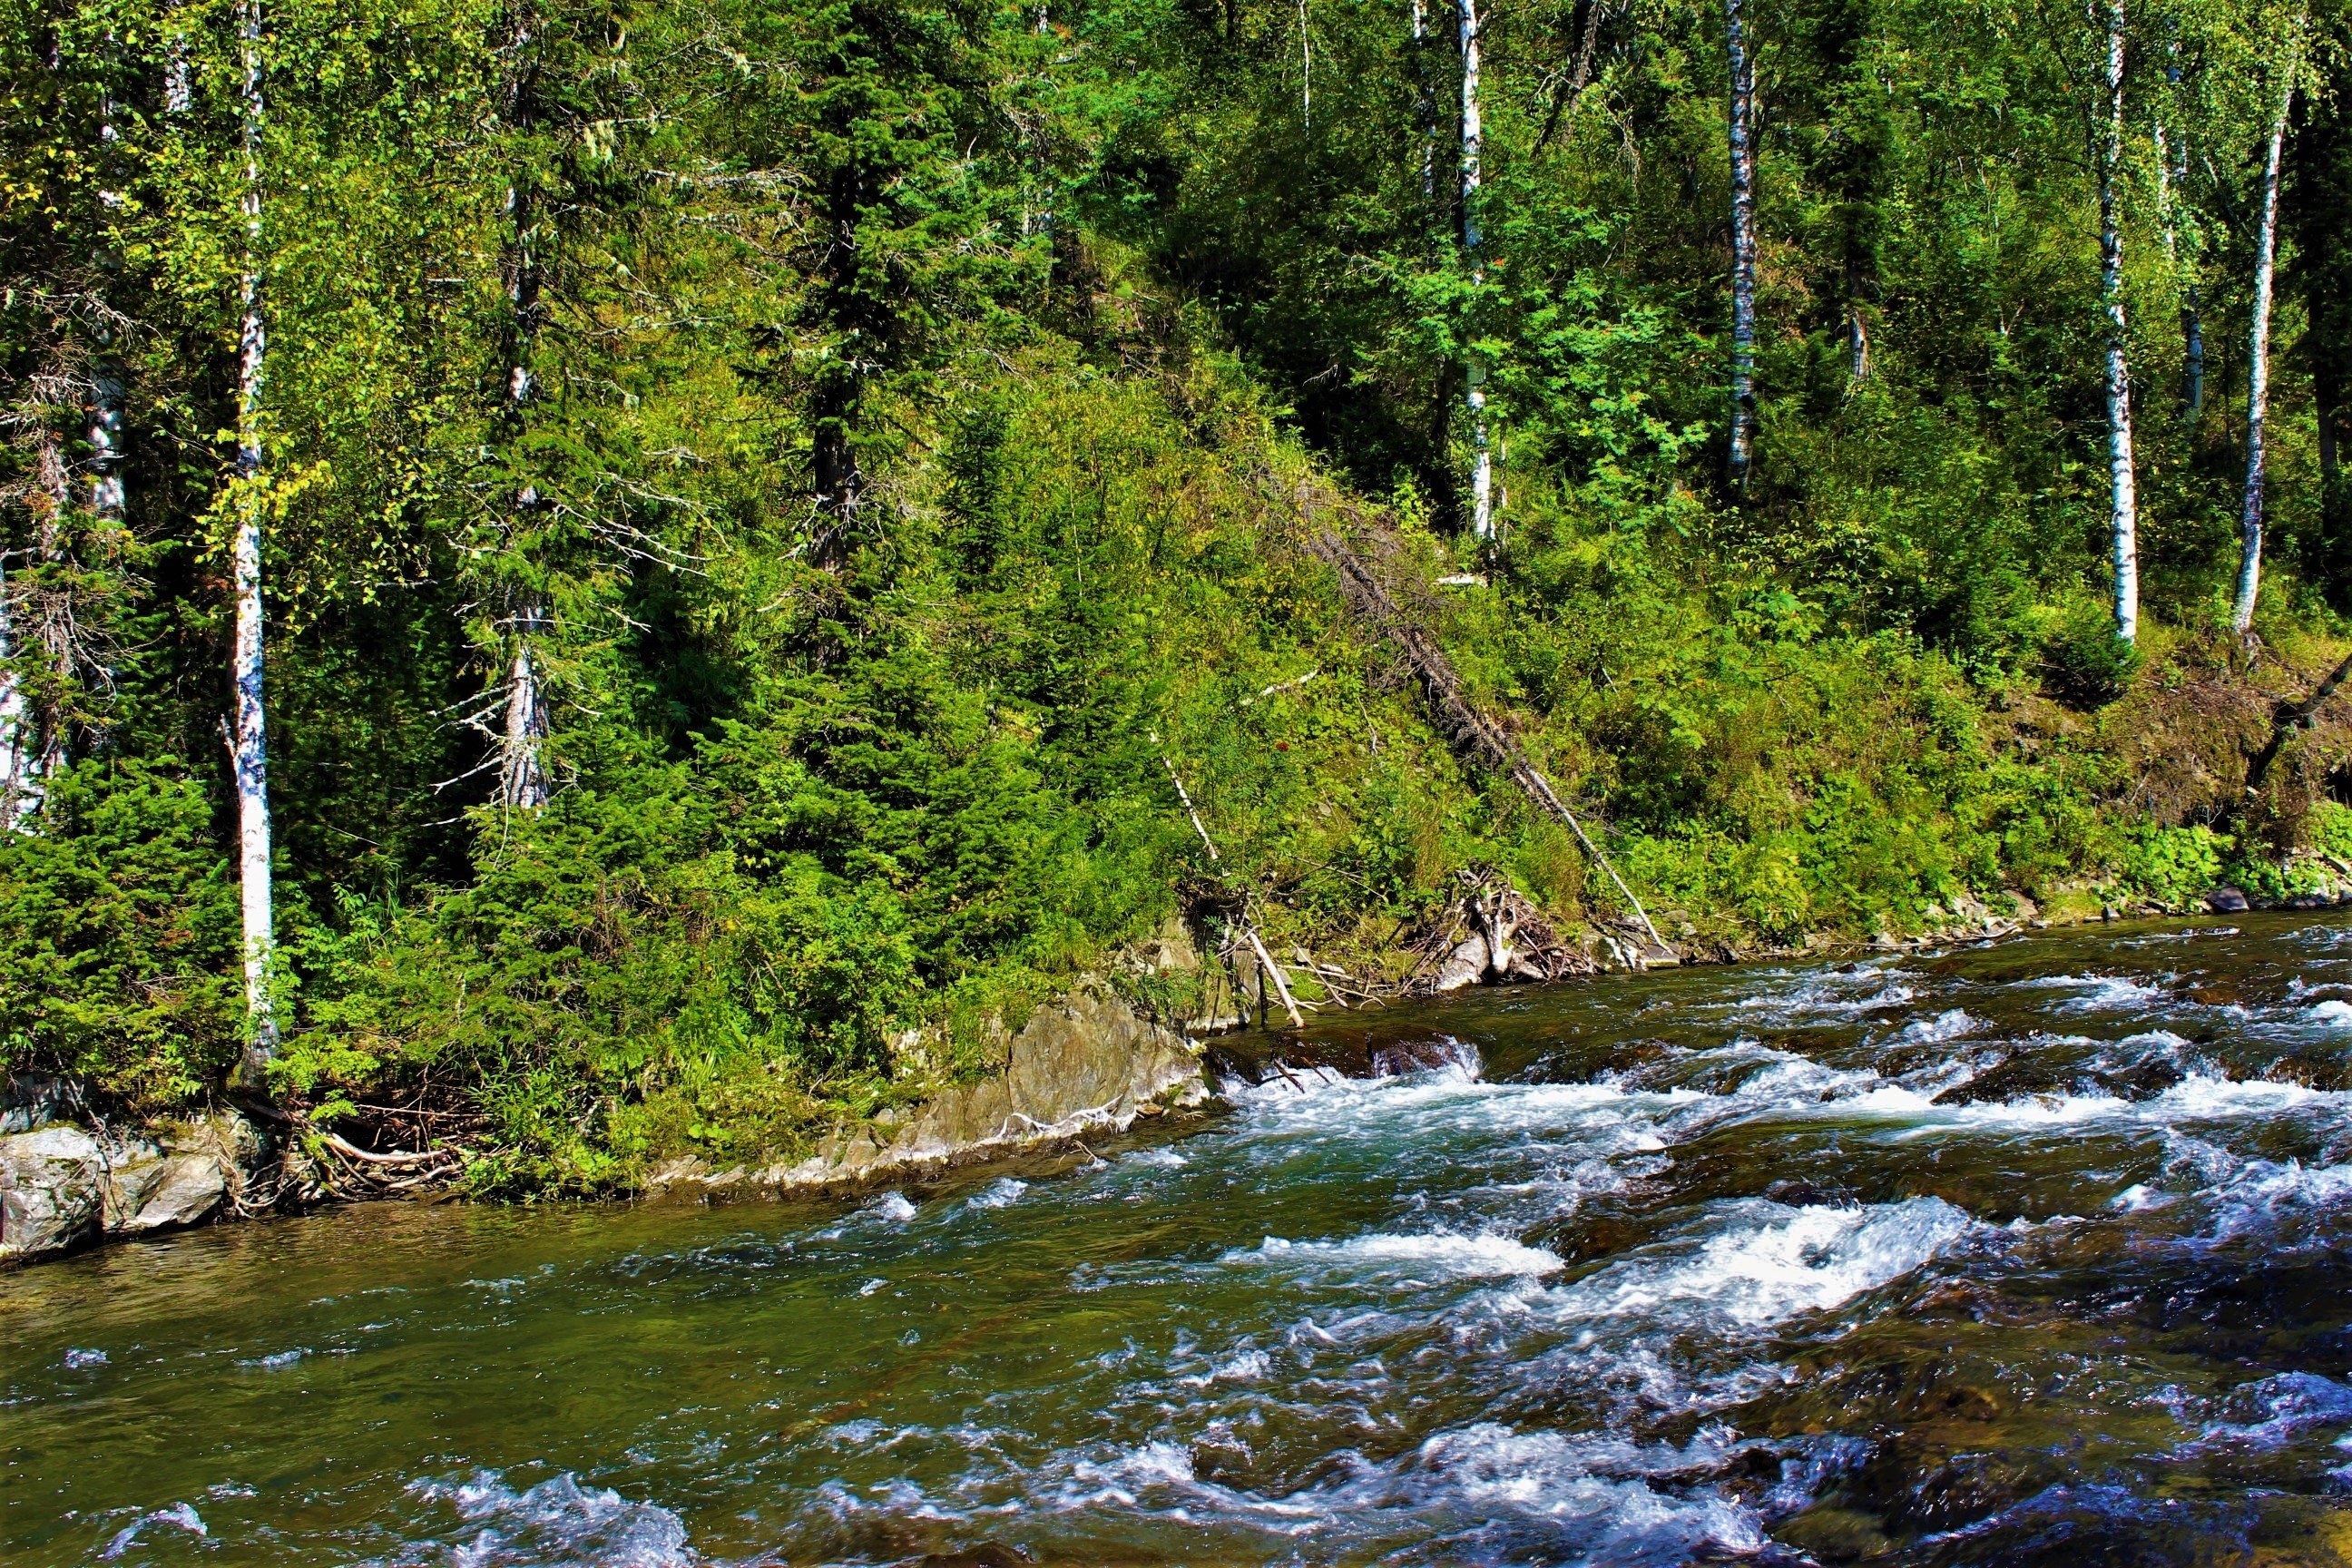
<point x="2027" y="1253"/>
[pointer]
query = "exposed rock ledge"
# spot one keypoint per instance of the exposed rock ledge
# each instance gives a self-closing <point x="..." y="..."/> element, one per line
<point x="62" y="1185"/>
<point x="1083" y="1065"/>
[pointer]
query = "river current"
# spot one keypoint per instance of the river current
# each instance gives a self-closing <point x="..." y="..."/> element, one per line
<point x="2020" y="1254"/>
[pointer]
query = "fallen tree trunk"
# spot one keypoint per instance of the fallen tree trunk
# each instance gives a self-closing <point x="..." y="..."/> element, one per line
<point x="1462" y="720"/>
<point x="2290" y="717"/>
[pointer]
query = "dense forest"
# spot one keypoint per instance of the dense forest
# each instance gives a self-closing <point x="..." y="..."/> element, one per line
<point x="637" y="578"/>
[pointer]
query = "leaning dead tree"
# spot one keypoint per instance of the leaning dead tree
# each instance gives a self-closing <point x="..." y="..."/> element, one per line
<point x="1461" y="719"/>
<point x="1247" y="931"/>
<point x="2289" y="719"/>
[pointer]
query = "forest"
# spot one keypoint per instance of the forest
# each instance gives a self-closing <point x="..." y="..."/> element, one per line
<point x="615" y="579"/>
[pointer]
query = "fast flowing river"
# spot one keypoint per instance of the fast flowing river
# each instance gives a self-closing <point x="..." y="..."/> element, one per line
<point x="2034" y="1253"/>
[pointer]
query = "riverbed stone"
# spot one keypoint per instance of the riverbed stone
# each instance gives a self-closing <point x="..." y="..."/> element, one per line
<point x="52" y="1190"/>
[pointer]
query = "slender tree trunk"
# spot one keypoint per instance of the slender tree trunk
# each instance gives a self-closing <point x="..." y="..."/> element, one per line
<point x="522" y="778"/>
<point x="2125" y="509"/>
<point x="1743" y="241"/>
<point x="41" y="735"/>
<point x="1424" y="106"/>
<point x="2258" y="372"/>
<point x="251" y="750"/>
<point x="17" y="786"/>
<point x="2180" y="257"/>
<point x="1482" y="469"/>
<point x="107" y="500"/>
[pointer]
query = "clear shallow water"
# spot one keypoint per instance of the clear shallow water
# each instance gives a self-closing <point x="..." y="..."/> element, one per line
<point x="2003" y="1256"/>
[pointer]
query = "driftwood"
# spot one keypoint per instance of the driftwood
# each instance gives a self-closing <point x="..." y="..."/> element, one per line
<point x="1488" y="932"/>
<point x="1461" y="719"/>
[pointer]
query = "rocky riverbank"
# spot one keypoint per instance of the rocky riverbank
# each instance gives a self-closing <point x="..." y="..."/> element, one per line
<point x="1087" y="1065"/>
<point x="68" y="1178"/>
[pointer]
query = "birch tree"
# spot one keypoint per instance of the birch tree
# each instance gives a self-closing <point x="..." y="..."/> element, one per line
<point x="2258" y="352"/>
<point x="1482" y="460"/>
<point x="15" y="738"/>
<point x="250" y="747"/>
<point x="2124" y="508"/>
<point x="522" y="779"/>
<point x="1742" y="114"/>
<point x="2181" y="248"/>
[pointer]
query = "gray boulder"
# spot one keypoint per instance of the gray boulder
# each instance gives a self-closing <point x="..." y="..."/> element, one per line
<point x="149" y="1187"/>
<point x="53" y="1186"/>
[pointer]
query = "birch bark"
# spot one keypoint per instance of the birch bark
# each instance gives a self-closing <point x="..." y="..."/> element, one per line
<point x="522" y="779"/>
<point x="1742" y="113"/>
<point x="15" y="736"/>
<point x="1424" y="105"/>
<point x="1482" y="469"/>
<point x="107" y="500"/>
<point x="2258" y="372"/>
<point x="2124" y="512"/>
<point x="250" y="747"/>
<point x="2172" y="177"/>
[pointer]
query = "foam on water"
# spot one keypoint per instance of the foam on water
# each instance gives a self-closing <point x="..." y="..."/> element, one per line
<point x="2275" y="1411"/>
<point x="558" y="1523"/>
<point x="1949" y="1024"/>
<point x="1440" y="1257"/>
<point x="1002" y="1193"/>
<point x="1770" y="1263"/>
<point x="2100" y="992"/>
<point x="179" y="1516"/>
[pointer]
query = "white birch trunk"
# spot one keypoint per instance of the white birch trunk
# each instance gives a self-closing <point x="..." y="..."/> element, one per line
<point x="38" y="740"/>
<point x="106" y="491"/>
<point x="522" y="774"/>
<point x="2258" y="374"/>
<point x="2180" y="257"/>
<point x="2124" y="500"/>
<point x="522" y="779"/>
<point x="1742" y="112"/>
<point x="1482" y="469"/>
<point x="16" y="783"/>
<point x="1424" y="106"/>
<point x="251" y="751"/>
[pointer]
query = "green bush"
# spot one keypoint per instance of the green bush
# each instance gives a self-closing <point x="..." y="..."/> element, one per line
<point x="2171" y="866"/>
<point x="2085" y="663"/>
<point x="119" y="947"/>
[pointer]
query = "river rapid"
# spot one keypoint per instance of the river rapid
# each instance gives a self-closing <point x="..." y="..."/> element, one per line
<point x="2029" y="1253"/>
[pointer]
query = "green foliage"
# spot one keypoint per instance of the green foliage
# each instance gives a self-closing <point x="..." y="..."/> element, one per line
<point x="118" y="936"/>
<point x="2171" y="866"/>
<point x="2088" y="665"/>
<point x="2330" y="826"/>
<point x="923" y="402"/>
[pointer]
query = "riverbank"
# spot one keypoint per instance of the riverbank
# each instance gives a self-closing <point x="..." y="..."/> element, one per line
<point x="1088" y="1065"/>
<point x="1836" y="1257"/>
